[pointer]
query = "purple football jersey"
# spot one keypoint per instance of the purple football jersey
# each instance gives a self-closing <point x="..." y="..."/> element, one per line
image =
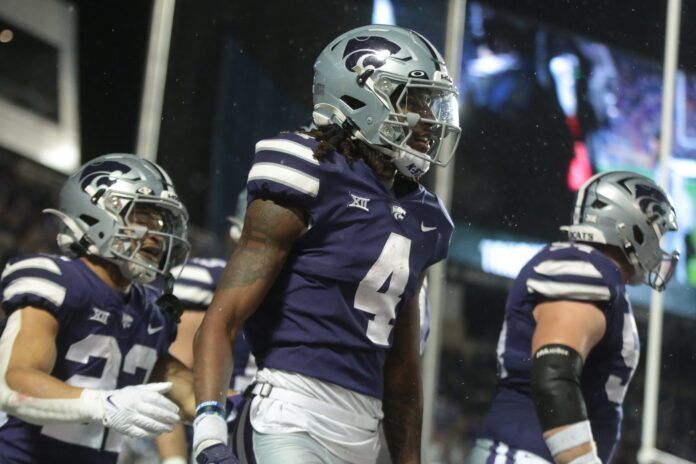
<point x="564" y="271"/>
<point x="195" y="287"/>
<point x="106" y="340"/>
<point x="331" y="310"/>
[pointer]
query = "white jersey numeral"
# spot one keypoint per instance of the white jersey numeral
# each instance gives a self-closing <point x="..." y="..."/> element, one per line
<point x="500" y="351"/>
<point x="104" y="347"/>
<point x="616" y="387"/>
<point x="392" y="266"/>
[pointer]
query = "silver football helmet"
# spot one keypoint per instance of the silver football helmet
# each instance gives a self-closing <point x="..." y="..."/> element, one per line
<point x="390" y="87"/>
<point x="125" y="210"/>
<point x="631" y="212"/>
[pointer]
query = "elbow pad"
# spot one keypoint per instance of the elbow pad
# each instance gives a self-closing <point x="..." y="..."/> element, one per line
<point x="38" y="411"/>
<point x="556" y="372"/>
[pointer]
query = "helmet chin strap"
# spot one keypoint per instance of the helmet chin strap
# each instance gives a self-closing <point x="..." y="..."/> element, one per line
<point x="168" y="302"/>
<point x="406" y="163"/>
<point x="410" y="166"/>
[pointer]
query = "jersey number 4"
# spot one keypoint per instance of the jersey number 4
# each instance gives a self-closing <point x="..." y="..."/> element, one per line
<point x="381" y="289"/>
<point x="104" y="347"/>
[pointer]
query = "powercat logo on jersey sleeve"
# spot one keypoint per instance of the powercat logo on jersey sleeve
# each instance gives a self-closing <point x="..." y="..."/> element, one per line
<point x="126" y="321"/>
<point x="398" y="212"/>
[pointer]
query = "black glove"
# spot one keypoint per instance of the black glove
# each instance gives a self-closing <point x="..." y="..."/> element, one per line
<point x="217" y="454"/>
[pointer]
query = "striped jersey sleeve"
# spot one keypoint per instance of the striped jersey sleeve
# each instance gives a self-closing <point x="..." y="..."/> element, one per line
<point x="35" y="280"/>
<point x="571" y="273"/>
<point x="285" y="168"/>
<point x="196" y="282"/>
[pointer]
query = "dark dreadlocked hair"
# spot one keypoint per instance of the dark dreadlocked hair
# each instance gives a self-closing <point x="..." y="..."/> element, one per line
<point x="338" y="138"/>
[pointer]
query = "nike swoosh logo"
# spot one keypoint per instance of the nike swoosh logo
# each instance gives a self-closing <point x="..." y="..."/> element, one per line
<point x="153" y="330"/>
<point x="427" y="229"/>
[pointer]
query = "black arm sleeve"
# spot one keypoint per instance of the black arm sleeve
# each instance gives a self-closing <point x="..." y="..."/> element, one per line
<point x="556" y="371"/>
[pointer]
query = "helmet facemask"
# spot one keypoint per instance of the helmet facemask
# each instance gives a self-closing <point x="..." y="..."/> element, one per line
<point x="422" y="124"/>
<point x="148" y="239"/>
<point x="657" y="268"/>
<point x="661" y="275"/>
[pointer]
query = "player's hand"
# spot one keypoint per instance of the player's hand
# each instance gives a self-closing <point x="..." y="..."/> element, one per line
<point x="217" y="454"/>
<point x="138" y="411"/>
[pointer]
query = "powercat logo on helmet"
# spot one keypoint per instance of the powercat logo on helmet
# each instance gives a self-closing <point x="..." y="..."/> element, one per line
<point x="102" y="174"/>
<point x="651" y="200"/>
<point x="368" y="51"/>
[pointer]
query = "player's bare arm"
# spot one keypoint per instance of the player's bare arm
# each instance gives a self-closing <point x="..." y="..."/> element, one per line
<point x="32" y="356"/>
<point x="270" y="230"/>
<point x="172" y="445"/>
<point x="170" y="369"/>
<point x="269" y="233"/>
<point x="29" y="392"/>
<point x="182" y="348"/>
<point x="561" y="325"/>
<point x="403" y="395"/>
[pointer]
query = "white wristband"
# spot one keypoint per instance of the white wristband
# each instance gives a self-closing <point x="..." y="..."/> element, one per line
<point x="589" y="458"/>
<point x="175" y="460"/>
<point x="208" y="429"/>
<point x="570" y="437"/>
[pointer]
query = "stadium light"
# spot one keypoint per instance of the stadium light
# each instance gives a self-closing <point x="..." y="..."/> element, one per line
<point x="383" y="12"/>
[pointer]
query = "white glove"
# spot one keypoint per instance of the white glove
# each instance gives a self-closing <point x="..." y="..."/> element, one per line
<point x="138" y="411"/>
<point x="208" y="430"/>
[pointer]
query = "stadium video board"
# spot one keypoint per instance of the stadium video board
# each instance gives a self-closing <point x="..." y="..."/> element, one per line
<point x="542" y="110"/>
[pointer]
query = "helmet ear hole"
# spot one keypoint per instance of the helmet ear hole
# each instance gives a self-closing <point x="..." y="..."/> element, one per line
<point x="353" y="103"/>
<point x="599" y="204"/>
<point x="637" y="235"/>
<point x="89" y="220"/>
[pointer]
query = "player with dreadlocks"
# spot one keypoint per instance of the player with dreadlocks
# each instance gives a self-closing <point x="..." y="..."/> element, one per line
<point x="326" y="277"/>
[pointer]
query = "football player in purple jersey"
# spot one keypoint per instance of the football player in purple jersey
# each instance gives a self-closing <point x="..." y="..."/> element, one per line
<point x="84" y="334"/>
<point x="326" y="277"/>
<point x="569" y="345"/>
